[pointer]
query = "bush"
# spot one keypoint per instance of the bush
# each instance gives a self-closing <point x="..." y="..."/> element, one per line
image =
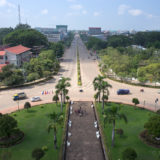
<point x="37" y="153"/>
<point x="45" y="148"/>
<point x="158" y="111"/>
<point x="129" y="154"/>
<point x="119" y="131"/>
<point x="47" y="74"/>
<point x="153" y="126"/>
<point x="32" y="77"/>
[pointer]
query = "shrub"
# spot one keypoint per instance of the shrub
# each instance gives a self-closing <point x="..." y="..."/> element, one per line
<point x="27" y="105"/>
<point x="32" y="77"/>
<point x="135" y="101"/>
<point x="119" y="131"/>
<point x="47" y="74"/>
<point x="129" y="154"/>
<point x="158" y="111"/>
<point x="7" y="125"/>
<point x="45" y="148"/>
<point x="37" y="153"/>
<point x="153" y="126"/>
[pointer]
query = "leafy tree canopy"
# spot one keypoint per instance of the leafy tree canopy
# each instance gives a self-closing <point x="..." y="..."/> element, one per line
<point x="28" y="38"/>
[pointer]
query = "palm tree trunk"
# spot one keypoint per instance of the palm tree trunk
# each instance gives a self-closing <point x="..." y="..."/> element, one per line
<point x="103" y="103"/>
<point x="113" y="133"/>
<point x="99" y="97"/>
<point x="55" y="140"/>
<point x="61" y="104"/>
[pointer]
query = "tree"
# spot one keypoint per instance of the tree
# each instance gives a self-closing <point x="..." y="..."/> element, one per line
<point x="22" y="27"/>
<point x="61" y="89"/>
<point x="135" y="101"/>
<point x="153" y="126"/>
<point x="96" y="96"/>
<point x="7" y="125"/>
<point x="28" y="38"/>
<point x="27" y="105"/>
<point x="105" y="92"/>
<point x="56" y="119"/>
<point x="55" y="98"/>
<point x="3" y="33"/>
<point x="37" y="153"/>
<point x="32" y="76"/>
<point x="129" y="154"/>
<point x="110" y="116"/>
<point x="97" y="83"/>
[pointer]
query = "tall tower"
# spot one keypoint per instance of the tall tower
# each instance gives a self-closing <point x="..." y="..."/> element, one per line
<point x="19" y="14"/>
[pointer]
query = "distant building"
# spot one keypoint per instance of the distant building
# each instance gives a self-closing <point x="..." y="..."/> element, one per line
<point x="15" y="55"/>
<point x="52" y="34"/>
<point x="62" y="28"/>
<point x="94" y="31"/>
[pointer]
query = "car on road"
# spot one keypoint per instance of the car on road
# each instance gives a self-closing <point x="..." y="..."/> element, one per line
<point x="81" y="90"/>
<point x="35" y="99"/>
<point x="19" y="96"/>
<point x="123" y="91"/>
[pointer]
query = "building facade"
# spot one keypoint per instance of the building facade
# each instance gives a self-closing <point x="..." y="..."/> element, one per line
<point x="15" y="55"/>
<point x="94" y="31"/>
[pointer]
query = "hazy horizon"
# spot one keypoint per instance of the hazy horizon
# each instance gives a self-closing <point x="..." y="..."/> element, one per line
<point x="81" y="14"/>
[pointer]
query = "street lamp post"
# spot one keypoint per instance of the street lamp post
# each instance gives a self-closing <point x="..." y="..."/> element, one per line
<point x="156" y="101"/>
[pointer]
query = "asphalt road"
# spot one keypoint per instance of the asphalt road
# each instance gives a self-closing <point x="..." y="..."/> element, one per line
<point x="89" y="70"/>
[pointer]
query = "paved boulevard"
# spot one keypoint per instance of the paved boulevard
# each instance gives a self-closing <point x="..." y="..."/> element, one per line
<point x="89" y="70"/>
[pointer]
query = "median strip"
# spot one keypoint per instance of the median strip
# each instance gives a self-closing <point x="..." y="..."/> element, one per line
<point x="78" y="69"/>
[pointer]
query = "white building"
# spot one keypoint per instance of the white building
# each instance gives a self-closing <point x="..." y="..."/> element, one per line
<point x="15" y="55"/>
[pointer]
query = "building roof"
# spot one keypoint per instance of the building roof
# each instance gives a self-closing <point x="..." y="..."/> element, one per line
<point x="2" y="53"/>
<point x="18" y="49"/>
<point x="1" y="66"/>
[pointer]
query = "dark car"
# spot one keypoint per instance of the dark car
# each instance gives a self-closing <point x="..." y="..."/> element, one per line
<point x="81" y="90"/>
<point x="123" y="91"/>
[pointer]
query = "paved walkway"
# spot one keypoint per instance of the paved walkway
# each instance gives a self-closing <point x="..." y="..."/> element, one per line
<point x="84" y="143"/>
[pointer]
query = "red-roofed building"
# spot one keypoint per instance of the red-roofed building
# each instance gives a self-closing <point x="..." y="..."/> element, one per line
<point x="2" y="57"/>
<point x="17" y="55"/>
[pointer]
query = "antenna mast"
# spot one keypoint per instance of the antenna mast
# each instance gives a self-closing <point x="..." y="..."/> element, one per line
<point x="19" y="14"/>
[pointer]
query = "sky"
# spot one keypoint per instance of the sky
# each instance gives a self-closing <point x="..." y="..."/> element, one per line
<point x="81" y="14"/>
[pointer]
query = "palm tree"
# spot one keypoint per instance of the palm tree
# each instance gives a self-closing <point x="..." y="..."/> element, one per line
<point x="105" y="92"/>
<point x="97" y="85"/>
<point x="61" y="89"/>
<point x="57" y="119"/>
<point x="111" y="115"/>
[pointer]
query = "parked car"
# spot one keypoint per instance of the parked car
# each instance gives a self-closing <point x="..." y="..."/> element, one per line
<point x="123" y="91"/>
<point x="81" y="90"/>
<point x="35" y="99"/>
<point x="19" y="96"/>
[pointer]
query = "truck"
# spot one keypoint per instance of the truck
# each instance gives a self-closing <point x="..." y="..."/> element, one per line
<point x="123" y="91"/>
<point x="19" y="96"/>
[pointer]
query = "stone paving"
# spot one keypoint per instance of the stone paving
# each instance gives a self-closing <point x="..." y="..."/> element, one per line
<point x="84" y="144"/>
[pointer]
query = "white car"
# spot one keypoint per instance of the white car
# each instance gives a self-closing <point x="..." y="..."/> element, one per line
<point x="35" y="99"/>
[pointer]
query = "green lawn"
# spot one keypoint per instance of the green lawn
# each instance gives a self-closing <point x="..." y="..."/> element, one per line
<point x="136" y="119"/>
<point x="34" y="125"/>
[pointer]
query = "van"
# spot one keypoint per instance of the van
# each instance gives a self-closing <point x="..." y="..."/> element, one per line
<point x="123" y="91"/>
<point x="19" y="96"/>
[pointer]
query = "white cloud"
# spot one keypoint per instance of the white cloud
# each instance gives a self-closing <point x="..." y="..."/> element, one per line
<point x="44" y="11"/>
<point x="76" y="7"/>
<point x="122" y="9"/>
<point x="84" y="12"/>
<point x="6" y="3"/>
<point x="135" y="12"/>
<point x="96" y="14"/>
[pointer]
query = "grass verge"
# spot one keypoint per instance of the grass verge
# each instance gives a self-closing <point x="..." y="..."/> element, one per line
<point x="136" y="119"/>
<point x="34" y="124"/>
